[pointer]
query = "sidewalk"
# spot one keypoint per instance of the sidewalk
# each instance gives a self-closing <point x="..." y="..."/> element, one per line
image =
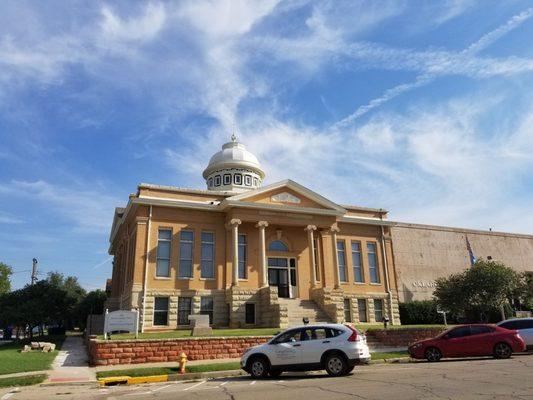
<point x="71" y="364"/>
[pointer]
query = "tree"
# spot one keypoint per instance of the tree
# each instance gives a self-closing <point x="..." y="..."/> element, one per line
<point x="92" y="303"/>
<point x="5" y="273"/>
<point x="74" y="294"/>
<point x="483" y="289"/>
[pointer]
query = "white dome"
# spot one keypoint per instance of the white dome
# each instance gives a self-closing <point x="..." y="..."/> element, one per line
<point x="233" y="159"/>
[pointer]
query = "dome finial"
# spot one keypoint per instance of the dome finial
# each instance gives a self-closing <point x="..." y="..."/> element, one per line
<point x="233" y="137"/>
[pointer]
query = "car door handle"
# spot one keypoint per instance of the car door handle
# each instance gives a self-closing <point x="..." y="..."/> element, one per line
<point x="296" y="345"/>
<point x="325" y="341"/>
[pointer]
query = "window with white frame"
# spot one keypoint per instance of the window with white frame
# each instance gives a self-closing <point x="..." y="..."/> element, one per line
<point x="243" y="273"/>
<point x="186" y="254"/>
<point x="371" y="250"/>
<point x="164" y="242"/>
<point x="161" y="311"/>
<point x="356" y="262"/>
<point x="207" y="262"/>
<point x="341" y="253"/>
<point x="206" y="307"/>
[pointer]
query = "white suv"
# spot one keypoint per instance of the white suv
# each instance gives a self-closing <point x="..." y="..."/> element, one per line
<point x="336" y="348"/>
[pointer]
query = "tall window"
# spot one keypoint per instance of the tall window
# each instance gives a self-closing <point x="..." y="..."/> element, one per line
<point x="164" y="240"/>
<point x="315" y="245"/>
<point x="186" y="251"/>
<point x="378" y="310"/>
<point x="372" y="262"/>
<point x="356" y="262"/>
<point x="206" y="307"/>
<point x="361" y="308"/>
<point x="184" y="310"/>
<point x="347" y="311"/>
<point x="242" y="257"/>
<point x="161" y="311"/>
<point x="342" y="260"/>
<point x="207" y="261"/>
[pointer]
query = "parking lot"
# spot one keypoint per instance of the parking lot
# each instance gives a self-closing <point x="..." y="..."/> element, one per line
<point x="465" y="379"/>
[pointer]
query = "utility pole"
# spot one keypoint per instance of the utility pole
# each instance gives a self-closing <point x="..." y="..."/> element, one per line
<point x="34" y="271"/>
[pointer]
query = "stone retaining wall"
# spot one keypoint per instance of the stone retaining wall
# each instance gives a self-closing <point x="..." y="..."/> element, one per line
<point x="102" y="352"/>
<point x="403" y="337"/>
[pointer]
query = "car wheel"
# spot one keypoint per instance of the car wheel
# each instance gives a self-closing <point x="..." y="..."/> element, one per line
<point x="275" y="373"/>
<point x="432" y="354"/>
<point x="502" y="350"/>
<point x="336" y="365"/>
<point x="258" y="367"/>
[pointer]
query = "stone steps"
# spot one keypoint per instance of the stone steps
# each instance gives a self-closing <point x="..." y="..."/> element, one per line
<point x="298" y="309"/>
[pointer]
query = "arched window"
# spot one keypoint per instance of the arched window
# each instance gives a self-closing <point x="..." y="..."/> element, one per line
<point x="277" y="245"/>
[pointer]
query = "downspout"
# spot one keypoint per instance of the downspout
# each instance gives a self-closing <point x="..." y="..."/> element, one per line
<point x="146" y="268"/>
<point x="385" y="264"/>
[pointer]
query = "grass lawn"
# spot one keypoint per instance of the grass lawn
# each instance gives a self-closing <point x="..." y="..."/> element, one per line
<point x="387" y="355"/>
<point x="22" y="380"/>
<point x="12" y="360"/>
<point x="185" y="333"/>
<point x="170" y="370"/>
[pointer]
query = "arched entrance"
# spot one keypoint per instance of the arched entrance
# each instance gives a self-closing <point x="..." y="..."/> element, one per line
<point x="282" y="269"/>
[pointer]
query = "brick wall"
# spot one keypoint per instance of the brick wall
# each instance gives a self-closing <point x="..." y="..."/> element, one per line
<point x="403" y="337"/>
<point x="102" y="352"/>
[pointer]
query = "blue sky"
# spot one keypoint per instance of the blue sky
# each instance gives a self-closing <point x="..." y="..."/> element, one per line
<point x="420" y="107"/>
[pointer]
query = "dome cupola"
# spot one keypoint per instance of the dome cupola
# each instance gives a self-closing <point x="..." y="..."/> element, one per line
<point x="233" y="169"/>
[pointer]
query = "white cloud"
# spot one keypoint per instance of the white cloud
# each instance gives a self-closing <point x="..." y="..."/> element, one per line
<point x="89" y="210"/>
<point x="6" y="219"/>
<point x="140" y="28"/>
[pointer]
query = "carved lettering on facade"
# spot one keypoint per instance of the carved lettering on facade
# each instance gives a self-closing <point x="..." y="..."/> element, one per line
<point x="423" y="284"/>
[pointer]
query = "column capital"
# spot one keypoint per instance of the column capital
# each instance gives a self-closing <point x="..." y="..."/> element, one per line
<point x="235" y="221"/>
<point x="261" y="224"/>
<point x="334" y="229"/>
<point x="310" y="228"/>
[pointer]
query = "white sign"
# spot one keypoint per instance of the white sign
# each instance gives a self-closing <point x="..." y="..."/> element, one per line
<point x="422" y="284"/>
<point x="121" y="320"/>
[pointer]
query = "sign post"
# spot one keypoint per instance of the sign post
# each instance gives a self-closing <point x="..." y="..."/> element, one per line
<point x="121" y="320"/>
<point x="443" y="312"/>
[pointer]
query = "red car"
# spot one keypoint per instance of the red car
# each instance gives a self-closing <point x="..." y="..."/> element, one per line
<point x="469" y="341"/>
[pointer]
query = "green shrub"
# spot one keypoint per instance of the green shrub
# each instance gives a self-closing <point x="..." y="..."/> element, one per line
<point x="419" y="312"/>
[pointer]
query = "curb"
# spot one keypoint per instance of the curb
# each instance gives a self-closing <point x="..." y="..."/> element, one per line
<point x="192" y="376"/>
<point x="127" y="380"/>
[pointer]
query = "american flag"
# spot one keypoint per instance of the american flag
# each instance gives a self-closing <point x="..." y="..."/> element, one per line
<point x="470" y="252"/>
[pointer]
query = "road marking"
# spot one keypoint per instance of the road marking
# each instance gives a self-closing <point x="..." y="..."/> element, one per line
<point x="138" y="394"/>
<point x="253" y="383"/>
<point x="193" y="386"/>
<point x="11" y="393"/>
<point x="223" y="383"/>
<point x="161" y="388"/>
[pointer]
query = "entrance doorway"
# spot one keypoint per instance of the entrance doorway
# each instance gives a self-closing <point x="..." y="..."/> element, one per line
<point x="282" y="274"/>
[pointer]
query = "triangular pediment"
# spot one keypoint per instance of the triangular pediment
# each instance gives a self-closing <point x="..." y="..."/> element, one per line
<point x="286" y="194"/>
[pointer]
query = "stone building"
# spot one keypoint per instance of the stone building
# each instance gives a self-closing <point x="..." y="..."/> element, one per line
<point x="253" y="255"/>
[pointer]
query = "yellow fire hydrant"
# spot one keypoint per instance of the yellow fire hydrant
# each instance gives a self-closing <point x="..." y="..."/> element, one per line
<point x="183" y="362"/>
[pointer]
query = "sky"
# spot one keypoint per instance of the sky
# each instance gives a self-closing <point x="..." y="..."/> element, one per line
<point x="424" y="108"/>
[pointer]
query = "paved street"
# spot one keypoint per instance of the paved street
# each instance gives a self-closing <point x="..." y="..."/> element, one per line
<point x="457" y="379"/>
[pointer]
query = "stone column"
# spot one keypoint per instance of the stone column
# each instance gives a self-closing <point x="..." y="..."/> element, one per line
<point x="334" y="230"/>
<point x="262" y="252"/>
<point x="234" y="223"/>
<point x="311" y="243"/>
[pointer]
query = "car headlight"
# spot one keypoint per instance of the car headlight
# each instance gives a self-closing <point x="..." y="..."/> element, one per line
<point x="416" y="346"/>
